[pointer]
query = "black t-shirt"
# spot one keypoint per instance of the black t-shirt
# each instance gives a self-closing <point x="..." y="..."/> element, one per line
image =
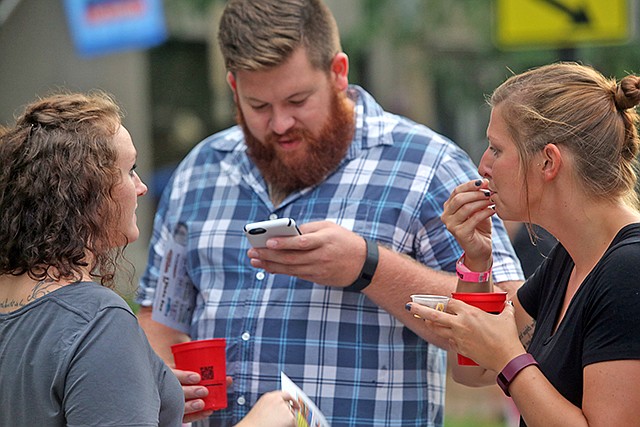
<point x="601" y="321"/>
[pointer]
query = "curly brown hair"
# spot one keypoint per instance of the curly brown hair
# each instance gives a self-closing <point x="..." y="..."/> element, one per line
<point x="57" y="171"/>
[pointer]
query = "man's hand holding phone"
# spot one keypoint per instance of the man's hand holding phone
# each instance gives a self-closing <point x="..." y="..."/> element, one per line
<point x="259" y="232"/>
<point x="325" y="253"/>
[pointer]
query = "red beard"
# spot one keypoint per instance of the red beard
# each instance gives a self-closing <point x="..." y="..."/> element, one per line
<point x="318" y="157"/>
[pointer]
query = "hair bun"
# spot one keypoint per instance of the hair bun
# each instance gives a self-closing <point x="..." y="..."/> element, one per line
<point x="628" y="93"/>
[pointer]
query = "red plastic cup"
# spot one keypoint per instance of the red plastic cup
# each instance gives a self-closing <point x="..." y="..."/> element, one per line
<point x="208" y="358"/>
<point x="491" y="302"/>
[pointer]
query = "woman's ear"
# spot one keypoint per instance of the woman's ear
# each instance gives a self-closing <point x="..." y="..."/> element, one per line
<point x="551" y="161"/>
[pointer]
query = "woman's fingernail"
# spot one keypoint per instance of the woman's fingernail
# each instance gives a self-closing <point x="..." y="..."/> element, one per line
<point x="486" y="193"/>
<point x="417" y="316"/>
<point x="478" y="182"/>
<point x="407" y="306"/>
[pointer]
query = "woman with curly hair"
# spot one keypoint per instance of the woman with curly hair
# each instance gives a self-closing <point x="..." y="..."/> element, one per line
<point x="71" y="350"/>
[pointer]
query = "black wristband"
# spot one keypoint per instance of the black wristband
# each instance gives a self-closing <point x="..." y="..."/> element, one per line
<point x="368" y="269"/>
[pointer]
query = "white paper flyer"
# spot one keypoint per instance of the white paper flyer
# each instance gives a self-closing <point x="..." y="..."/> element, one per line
<point x="308" y="415"/>
<point x="175" y="295"/>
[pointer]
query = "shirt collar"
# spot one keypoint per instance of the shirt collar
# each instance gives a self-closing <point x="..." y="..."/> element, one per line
<point x="371" y="123"/>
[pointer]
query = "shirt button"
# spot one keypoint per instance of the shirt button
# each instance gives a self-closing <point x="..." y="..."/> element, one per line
<point x="273" y="216"/>
<point x="246" y="336"/>
<point x="241" y="401"/>
<point x="260" y="275"/>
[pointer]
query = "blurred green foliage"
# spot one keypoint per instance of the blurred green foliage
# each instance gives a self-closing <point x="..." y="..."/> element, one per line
<point x="468" y="421"/>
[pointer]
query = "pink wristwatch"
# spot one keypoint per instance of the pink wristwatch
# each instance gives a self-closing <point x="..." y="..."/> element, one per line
<point x="467" y="275"/>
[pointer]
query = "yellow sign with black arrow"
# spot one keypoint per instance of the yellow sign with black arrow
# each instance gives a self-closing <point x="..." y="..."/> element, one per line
<point x="560" y="23"/>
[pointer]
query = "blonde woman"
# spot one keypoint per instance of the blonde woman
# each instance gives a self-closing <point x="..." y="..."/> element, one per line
<point x="562" y="152"/>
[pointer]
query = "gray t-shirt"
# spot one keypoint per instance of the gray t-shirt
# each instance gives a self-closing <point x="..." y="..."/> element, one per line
<point x="77" y="357"/>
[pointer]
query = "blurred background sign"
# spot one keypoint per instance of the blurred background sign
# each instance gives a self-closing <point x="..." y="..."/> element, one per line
<point x="561" y="23"/>
<point x="105" y="26"/>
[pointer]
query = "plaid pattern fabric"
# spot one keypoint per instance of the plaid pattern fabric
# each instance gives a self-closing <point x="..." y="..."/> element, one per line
<point x="360" y="365"/>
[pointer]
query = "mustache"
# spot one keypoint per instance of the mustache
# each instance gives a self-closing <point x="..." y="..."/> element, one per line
<point x="272" y="138"/>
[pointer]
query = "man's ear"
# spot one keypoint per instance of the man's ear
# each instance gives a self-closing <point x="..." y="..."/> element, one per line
<point x="231" y="81"/>
<point x="340" y="70"/>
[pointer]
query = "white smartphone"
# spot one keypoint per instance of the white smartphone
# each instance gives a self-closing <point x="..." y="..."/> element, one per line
<point x="259" y="232"/>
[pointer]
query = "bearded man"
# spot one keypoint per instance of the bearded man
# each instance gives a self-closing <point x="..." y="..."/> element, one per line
<point x="367" y="189"/>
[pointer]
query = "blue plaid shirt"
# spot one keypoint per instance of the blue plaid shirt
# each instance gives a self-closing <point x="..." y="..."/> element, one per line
<point x="359" y="364"/>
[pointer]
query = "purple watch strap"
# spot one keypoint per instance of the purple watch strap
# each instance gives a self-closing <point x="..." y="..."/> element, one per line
<point x="513" y="368"/>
